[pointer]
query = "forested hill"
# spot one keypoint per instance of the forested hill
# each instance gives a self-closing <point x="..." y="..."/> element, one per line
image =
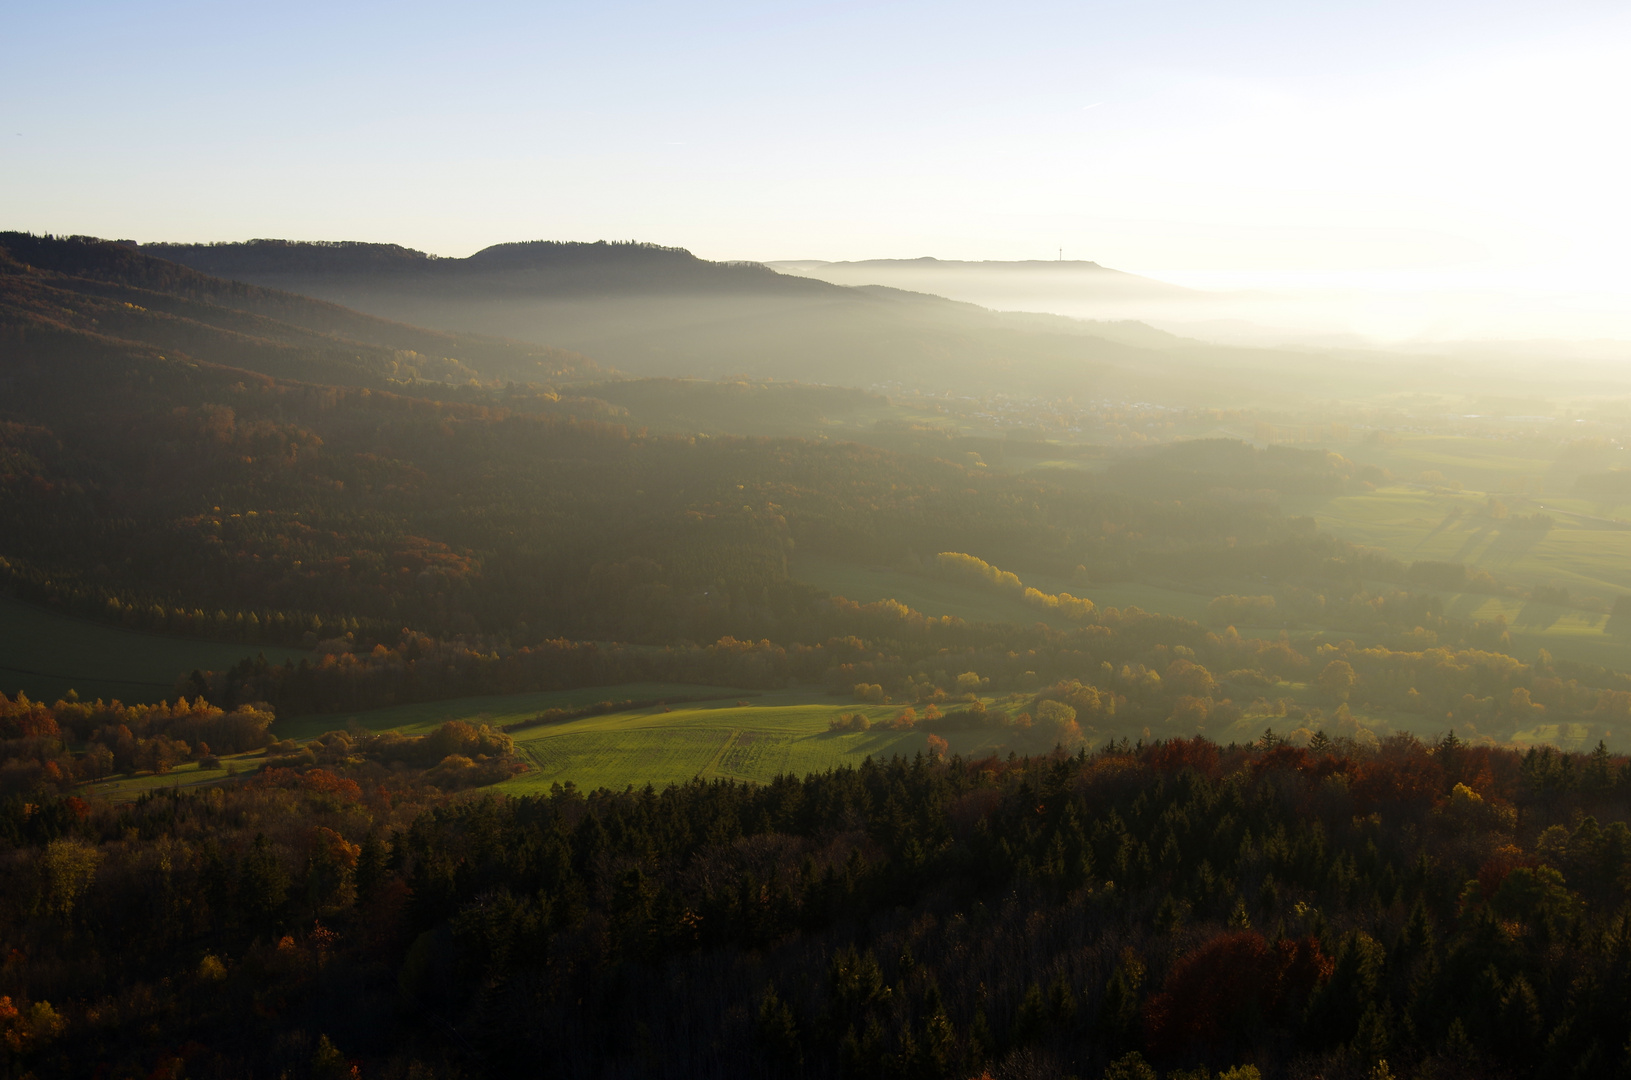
<point x="652" y="310"/>
<point x="525" y="268"/>
<point x="64" y="295"/>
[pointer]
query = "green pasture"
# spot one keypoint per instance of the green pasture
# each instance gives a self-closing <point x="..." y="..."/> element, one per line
<point x="421" y="718"/>
<point x="44" y="654"/>
<point x="751" y="739"/>
<point x="783" y="732"/>
<point x="741" y="735"/>
<point x="126" y="788"/>
<point x="1475" y="461"/>
<point x="1588" y="556"/>
<point x="1565" y="632"/>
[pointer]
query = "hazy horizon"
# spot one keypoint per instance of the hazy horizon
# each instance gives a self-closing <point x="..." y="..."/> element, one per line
<point x="1404" y="171"/>
<point x="1143" y="594"/>
<point x="1385" y="308"/>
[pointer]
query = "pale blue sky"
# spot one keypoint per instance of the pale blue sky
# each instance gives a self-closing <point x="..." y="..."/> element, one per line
<point x="1259" y="137"/>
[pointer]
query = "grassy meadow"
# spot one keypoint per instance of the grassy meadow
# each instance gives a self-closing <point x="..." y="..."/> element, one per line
<point x="729" y="733"/>
<point x="421" y="718"/>
<point x="1588" y="554"/>
<point x="778" y="733"/>
<point x="45" y="654"/>
<point x="188" y="774"/>
<point x="738" y="735"/>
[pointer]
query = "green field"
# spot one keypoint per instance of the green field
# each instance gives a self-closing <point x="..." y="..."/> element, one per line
<point x="1589" y="557"/>
<point x="186" y="775"/>
<point x="1476" y="461"/>
<point x="1592" y="559"/>
<point x="782" y="732"/>
<point x="45" y="654"/>
<point x="738" y="736"/>
<point x="1588" y="549"/>
<point x="423" y="717"/>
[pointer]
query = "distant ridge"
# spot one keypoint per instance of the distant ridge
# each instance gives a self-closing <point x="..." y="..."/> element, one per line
<point x="650" y="309"/>
<point x="291" y="256"/>
<point x="81" y="291"/>
<point x="551" y="266"/>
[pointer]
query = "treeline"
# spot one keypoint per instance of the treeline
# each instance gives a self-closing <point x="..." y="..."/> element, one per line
<point x="47" y="751"/>
<point x="87" y="288"/>
<point x="1169" y="675"/>
<point x="113" y="737"/>
<point x="291" y="509"/>
<point x="161" y="492"/>
<point x="959" y="566"/>
<point x="1406" y="909"/>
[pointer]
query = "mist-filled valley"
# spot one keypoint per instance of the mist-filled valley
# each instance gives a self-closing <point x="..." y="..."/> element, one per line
<point x="315" y="544"/>
<point x="828" y="542"/>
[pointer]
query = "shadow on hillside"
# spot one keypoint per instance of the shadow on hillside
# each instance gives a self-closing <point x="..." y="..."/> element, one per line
<point x="1538" y="616"/>
<point x="1451" y="518"/>
<point x="1465" y="554"/>
<point x="1465" y="605"/>
<point x="1511" y="545"/>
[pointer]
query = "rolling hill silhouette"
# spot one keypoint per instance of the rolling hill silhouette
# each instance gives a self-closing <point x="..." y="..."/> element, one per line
<point x="63" y="294"/>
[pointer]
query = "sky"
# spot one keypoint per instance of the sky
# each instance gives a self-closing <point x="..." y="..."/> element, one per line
<point x="1399" y="147"/>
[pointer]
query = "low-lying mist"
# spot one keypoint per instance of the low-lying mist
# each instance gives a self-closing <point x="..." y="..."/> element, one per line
<point x="1409" y="309"/>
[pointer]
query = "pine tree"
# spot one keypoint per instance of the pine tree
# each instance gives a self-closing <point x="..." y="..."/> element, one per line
<point x="778" y="1034"/>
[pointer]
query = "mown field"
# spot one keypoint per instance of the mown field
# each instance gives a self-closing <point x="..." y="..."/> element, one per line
<point x="45" y="654"/>
<point x="747" y="736"/>
<point x="782" y="732"/>
<point x="740" y="735"/>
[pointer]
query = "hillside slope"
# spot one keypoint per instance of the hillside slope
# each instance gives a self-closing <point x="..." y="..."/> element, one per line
<point x="661" y="311"/>
<point x="991" y="282"/>
<point x="67" y="290"/>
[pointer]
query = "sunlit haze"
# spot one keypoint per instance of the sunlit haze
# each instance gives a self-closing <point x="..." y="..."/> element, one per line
<point x="815" y="540"/>
<point x="1469" y="150"/>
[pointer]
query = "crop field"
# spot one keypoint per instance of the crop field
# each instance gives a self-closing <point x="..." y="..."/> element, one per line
<point x="1590" y="558"/>
<point x="1589" y="555"/>
<point x="1475" y="461"/>
<point x="1588" y="548"/>
<point x="45" y="654"/>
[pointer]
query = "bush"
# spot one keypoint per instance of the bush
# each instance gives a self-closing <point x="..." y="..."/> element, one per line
<point x="849" y="722"/>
